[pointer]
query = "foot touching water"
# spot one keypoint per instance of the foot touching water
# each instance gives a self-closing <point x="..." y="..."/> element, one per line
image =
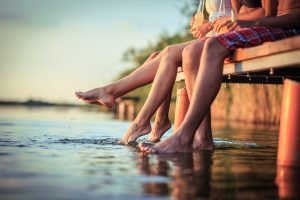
<point x="176" y="143"/>
<point x="134" y="132"/>
<point x="179" y="143"/>
<point x="203" y="141"/>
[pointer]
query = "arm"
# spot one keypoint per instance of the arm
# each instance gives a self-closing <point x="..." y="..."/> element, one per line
<point x="270" y="7"/>
<point x="244" y="14"/>
<point x="288" y="21"/>
<point x="285" y="21"/>
<point x="236" y="5"/>
<point x="250" y="13"/>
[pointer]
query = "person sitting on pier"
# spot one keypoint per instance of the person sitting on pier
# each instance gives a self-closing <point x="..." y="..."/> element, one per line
<point x="209" y="77"/>
<point x="163" y="84"/>
<point x="170" y="57"/>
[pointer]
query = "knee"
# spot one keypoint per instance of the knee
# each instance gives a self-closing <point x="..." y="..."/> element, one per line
<point x="213" y="48"/>
<point x="171" y="53"/>
<point x="192" y="51"/>
<point x="191" y="56"/>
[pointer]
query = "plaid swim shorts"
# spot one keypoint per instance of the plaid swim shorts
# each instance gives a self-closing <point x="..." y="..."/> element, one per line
<point x="250" y="37"/>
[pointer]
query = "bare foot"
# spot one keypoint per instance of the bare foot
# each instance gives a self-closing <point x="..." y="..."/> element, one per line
<point x="98" y="95"/>
<point x="203" y="141"/>
<point x="176" y="143"/>
<point x="134" y="132"/>
<point x="158" y="130"/>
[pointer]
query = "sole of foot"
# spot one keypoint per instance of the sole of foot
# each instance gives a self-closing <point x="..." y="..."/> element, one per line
<point x="97" y="96"/>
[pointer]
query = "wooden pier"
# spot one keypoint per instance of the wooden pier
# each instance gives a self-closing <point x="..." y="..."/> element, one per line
<point x="272" y="63"/>
<point x="269" y="63"/>
<point x="126" y="108"/>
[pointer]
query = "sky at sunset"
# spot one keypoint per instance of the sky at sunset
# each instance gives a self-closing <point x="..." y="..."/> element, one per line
<point x="51" y="48"/>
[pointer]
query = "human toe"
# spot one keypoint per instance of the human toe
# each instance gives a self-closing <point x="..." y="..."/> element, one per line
<point x="78" y="94"/>
<point x="143" y="147"/>
<point x="152" y="150"/>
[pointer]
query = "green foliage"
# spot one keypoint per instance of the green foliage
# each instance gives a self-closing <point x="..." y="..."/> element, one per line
<point x="138" y="56"/>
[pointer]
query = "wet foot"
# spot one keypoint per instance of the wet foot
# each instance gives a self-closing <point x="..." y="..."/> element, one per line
<point x="203" y="141"/>
<point x="134" y="132"/>
<point x="177" y="143"/>
<point x="98" y="95"/>
<point x="159" y="129"/>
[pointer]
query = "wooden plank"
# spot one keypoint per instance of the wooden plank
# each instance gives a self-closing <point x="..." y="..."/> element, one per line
<point x="286" y="59"/>
<point x="266" y="49"/>
<point x="282" y="60"/>
<point x="253" y="79"/>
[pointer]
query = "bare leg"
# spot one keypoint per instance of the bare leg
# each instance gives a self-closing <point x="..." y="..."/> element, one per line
<point x="145" y="74"/>
<point x="162" y="86"/>
<point x="191" y="61"/>
<point x="162" y="122"/>
<point x="207" y="85"/>
<point x="141" y="76"/>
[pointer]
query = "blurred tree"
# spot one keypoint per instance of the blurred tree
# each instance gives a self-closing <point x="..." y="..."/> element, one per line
<point x="138" y="56"/>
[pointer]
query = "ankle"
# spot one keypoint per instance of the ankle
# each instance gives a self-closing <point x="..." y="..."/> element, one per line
<point x="141" y="122"/>
<point x="110" y="90"/>
<point x="162" y="120"/>
<point x="185" y="139"/>
<point x="205" y="136"/>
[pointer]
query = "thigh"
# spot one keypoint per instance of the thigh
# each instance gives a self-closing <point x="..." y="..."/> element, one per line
<point x="196" y="45"/>
<point x="181" y="46"/>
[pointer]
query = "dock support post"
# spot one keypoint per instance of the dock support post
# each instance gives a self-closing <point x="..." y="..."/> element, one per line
<point x="288" y="157"/>
<point x="121" y="111"/>
<point x="182" y="105"/>
<point x="289" y="134"/>
<point x="131" y="111"/>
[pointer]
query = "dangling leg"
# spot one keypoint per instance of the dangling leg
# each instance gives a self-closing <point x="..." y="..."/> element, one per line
<point x="162" y="122"/>
<point x="106" y="95"/>
<point x="207" y="85"/>
<point x="190" y="62"/>
<point x="162" y="86"/>
<point x="146" y="73"/>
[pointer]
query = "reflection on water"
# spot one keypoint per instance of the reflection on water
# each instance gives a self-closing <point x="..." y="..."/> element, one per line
<point x="288" y="181"/>
<point x="71" y="154"/>
<point x="190" y="175"/>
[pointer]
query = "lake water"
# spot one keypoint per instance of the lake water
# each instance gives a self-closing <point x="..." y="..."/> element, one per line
<point x="56" y="153"/>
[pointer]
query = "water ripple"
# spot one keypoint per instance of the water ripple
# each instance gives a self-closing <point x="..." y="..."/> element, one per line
<point x="105" y="141"/>
<point x="5" y="154"/>
<point x="227" y="144"/>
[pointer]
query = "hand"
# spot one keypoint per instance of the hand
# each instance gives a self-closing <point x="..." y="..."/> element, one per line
<point x="202" y="30"/>
<point x="240" y="24"/>
<point x="220" y="22"/>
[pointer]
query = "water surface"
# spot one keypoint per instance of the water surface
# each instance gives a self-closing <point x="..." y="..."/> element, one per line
<point x="55" y="153"/>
